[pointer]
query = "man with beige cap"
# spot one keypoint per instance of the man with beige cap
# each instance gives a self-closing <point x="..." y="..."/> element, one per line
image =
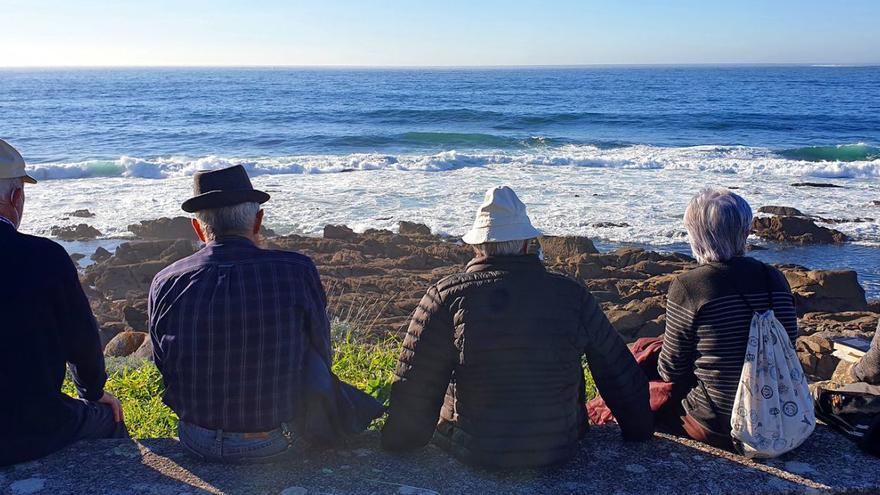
<point x="495" y="353"/>
<point x="47" y="323"/>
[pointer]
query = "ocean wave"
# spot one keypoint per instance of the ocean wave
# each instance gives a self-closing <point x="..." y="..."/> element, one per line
<point x="540" y="152"/>
<point x="839" y="153"/>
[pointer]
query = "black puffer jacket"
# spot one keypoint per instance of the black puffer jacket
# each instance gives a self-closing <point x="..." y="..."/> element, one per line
<point x="504" y="342"/>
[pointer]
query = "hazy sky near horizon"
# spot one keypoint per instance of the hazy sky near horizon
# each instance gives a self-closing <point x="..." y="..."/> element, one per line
<point x="436" y="33"/>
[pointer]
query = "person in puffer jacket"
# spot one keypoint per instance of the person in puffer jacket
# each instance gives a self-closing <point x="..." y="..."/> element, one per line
<point x="495" y="354"/>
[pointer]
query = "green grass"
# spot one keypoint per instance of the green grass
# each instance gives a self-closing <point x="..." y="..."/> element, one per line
<point x="369" y="365"/>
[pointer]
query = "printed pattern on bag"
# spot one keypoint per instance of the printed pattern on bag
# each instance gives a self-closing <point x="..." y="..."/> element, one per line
<point x="773" y="409"/>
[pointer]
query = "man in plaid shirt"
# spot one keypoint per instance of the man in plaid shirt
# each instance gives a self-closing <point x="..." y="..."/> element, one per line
<point x="238" y="331"/>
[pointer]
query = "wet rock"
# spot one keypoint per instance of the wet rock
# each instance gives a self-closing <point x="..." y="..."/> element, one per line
<point x="410" y="228"/>
<point x="783" y="211"/>
<point x="81" y="214"/>
<point x="101" y="254"/>
<point x="81" y="232"/>
<point x="797" y="230"/>
<point x="76" y="257"/>
<point x="827" y="291"/>
<point x="561" y="247"/>
<point x="124" y="344"/>
<point x="341" y="232"/>
<point x="606" y="225"/>
<point x="164" y="228"/>
<point x="814" y="184"/>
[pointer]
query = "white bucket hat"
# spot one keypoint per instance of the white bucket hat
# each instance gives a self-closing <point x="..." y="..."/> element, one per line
<point x="502" y="217"/>
<point x="12" y="164"/>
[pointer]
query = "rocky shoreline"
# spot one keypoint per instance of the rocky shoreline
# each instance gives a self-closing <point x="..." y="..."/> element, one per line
<point x="375" y="279"/>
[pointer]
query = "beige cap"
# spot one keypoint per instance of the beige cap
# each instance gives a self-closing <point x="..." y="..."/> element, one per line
<point x="12" y="164"/>
<point x="502" y="217"/>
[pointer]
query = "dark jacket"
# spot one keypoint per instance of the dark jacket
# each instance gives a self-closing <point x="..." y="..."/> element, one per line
<point x="504" y="342"/>
<point x="46" y="323"/>
<point x="868" y="368"/>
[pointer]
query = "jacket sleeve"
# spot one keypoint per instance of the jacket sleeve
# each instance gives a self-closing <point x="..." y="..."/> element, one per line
<point x="423" y="372"/>
<point x="618" y="377"/>
<point x="80" y="336"/>
<point x="677" y="357"/>
<point x="868" y="368"/>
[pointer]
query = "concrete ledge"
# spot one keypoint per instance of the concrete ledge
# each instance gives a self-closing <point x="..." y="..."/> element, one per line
<point x="827" y="463"/>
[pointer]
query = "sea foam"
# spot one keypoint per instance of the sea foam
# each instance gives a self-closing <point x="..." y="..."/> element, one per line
<point x="850" y="161"/>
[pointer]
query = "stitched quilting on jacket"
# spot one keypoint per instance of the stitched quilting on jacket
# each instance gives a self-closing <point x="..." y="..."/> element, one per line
<point x="495" y="355"/>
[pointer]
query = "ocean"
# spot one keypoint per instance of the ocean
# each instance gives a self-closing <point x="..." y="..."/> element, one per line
<point x="610" y="152"/>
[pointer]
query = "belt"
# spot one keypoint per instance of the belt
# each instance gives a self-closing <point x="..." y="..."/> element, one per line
<point x="285" y="430"/>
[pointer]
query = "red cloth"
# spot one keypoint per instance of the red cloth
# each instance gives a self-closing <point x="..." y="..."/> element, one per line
<point x="647" y="352"/>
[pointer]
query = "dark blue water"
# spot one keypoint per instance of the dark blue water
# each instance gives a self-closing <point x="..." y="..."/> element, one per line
<point x="75" y="115"/>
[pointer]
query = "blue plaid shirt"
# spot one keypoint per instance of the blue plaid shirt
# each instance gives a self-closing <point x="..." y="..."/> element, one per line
<point x="230" y="327"/>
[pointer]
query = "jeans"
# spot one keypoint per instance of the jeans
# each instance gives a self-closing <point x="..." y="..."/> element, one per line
<point x="96" y="422"/>
<point x="242" y="448"/>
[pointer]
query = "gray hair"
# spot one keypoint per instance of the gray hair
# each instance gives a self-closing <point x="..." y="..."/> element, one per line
<point x="228" y="220"/>
<point x="8" y="186"/>
<point x="718" y="223"/>
<point x="506" y="248"/>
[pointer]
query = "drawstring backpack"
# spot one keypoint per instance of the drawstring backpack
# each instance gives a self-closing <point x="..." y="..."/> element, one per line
<point x="773" y="409"/>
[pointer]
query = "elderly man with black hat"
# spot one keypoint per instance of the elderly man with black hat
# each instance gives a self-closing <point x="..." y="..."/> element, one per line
<point x="47" y="325"/>
<point x="495" y="354"/>
<point x="242" y="338"/>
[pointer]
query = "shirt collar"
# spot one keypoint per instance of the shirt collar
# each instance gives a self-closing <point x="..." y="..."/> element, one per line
<point x="232" y="239"/>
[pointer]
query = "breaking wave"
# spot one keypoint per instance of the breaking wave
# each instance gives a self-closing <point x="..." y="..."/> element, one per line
<point x="847" y="161"/>
<point x="839" y="153"/>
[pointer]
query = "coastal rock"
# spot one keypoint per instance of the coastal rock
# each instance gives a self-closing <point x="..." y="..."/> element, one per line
<point x="109" y="330"/>
<point x="410" y="228"/>
<point x="797" y="230"/>
<point x="815" y="354"/>
<point x="136" y="316"/>
<point x="101" y="254"/>
<point x="81" y="232"/>
<point x="124" y="344"/>
<point x="164" y="228"/>
<point x="561" y="247"/>
<point x="814" y="184"/>
<point x="82" y="214"/>
<point x="782" y="211"/>
<point x="145" y="350"/>
<point x="607" y="225"/>
<point x="845" y="323"/>
<point x="341" y="232"/>
<point x="829" y="291"/>
<point x="627" y="323"/>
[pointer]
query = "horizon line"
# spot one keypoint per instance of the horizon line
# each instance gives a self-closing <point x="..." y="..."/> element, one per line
<point x="451" y="66"/>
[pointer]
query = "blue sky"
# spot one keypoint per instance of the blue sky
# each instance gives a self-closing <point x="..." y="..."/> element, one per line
<point x="438" y="32"/>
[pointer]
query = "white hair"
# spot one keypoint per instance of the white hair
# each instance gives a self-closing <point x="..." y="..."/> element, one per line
<point x="9" y="186"/>
<point x="506" y="248"/>
<point x="718" y="223"/>
<point x="228" y="220"/>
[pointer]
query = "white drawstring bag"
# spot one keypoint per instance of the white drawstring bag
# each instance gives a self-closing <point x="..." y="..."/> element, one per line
<point x="773" y="409"/>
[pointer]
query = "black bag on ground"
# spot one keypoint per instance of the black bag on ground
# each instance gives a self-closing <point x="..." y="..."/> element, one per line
<point x="854" y="410"/>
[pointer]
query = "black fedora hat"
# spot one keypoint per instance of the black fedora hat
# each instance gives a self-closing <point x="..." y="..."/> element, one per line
<point x="224" y="187"/>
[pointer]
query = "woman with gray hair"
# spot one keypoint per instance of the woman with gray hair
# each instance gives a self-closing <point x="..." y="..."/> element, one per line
<point x="708" y="314"/>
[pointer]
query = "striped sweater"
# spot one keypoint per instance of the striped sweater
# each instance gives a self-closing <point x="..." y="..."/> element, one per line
<point x="707" y="328"/>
